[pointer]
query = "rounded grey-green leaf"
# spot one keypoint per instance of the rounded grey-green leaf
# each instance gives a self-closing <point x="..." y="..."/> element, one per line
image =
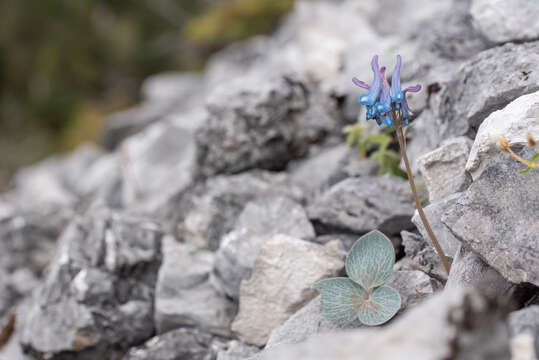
<point x="382" y="304"/>
<point x="341" y="298"/>
<point x="371" y="259"/>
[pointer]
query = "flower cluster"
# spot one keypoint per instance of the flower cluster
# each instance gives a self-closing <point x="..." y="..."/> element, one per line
<point x="385" y="102"/>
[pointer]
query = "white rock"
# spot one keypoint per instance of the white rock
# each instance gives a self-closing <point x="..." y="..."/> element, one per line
<point x="443" y="168"/>
<point x="502" y="21"/>
<point x="514" y="122"/>
<point x="283" y="274"/>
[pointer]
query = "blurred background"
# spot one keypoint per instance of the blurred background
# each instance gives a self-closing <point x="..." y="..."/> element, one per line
<point x="65" y="64"/>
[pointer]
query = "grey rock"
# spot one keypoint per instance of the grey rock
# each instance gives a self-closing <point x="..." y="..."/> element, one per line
<point x="97" y="298"/>
<point x="262" y="120"/>
<point x="183" y="295"/>
<point x="316" y="172"/>
<point x="501" y="22"/>
<point x="458" y="107"/>
<point x="165" y="94"/>
<point x="496" y="218"/>
<point x="468" y="269"/>
<point x="514" y="122"/>
<point x="488" y="82"/>
<point x="443" y="169"/>
<point x="283" y="274"/>
<point x="467" y="326"/>
<point x="258" y="222"/>
<point x="158" y="164"/>
<point x="28" y="233"/>
<point x="524" y="328"/>
<point x="55" y="181"/>
<point x="421" y="255"/>
<point x="181" y="344"/>
<point x="433" y="213"/>
<point x="413" y="286"/>
<point x="235" y="60"/>
<point x="237" y="351"/>
<point x="358" y="205"/>
<point x="212" y="211"/>
<point x="306" y="322"/>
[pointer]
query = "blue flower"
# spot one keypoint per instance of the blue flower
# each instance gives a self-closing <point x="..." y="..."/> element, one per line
<point x="383" y="101"/>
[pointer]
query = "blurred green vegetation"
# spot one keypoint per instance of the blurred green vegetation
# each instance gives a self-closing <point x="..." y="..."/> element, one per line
<point x="66" y="63"/>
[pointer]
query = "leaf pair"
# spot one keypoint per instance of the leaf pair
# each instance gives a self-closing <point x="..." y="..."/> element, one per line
<point x="363" y="295"/>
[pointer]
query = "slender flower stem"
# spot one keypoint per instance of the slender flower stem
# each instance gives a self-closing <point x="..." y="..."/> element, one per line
<point x="402" y="143"/>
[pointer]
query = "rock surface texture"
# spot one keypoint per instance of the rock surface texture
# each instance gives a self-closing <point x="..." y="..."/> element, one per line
<point x="283" y="274"/>
<point x="97" y="298"/>
<point x="496" y="217"/>
<point x="198" y="228"/>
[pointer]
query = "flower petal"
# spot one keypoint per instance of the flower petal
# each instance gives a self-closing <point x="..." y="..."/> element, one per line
<point x="374" y="91"/>
<point x="396" y="92"/>
<point x="414" y="89"/>
<point x="360" y="83"/>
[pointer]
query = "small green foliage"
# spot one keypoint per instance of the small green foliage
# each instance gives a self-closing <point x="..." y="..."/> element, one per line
<point x="375" y="147"/>
<point x="533" y="164"/>
<point x="363" y="295"/>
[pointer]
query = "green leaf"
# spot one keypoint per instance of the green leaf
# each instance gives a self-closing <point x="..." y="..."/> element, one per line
<point x="340" y="299"/>
<point x="371" y="259"/>
<point x="534" y="157"/>
<point x="380" y="306"/>
<point x="524" y="171"/>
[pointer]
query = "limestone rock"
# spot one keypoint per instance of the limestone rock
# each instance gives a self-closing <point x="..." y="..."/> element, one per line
<point x="258" y="222"/>
<point x="524" y="331"/>
<point x="158" y="164"/>
<point x="468" y="269"/>
<point x="237" y="351"/>
<point x="358" y="205"/>
<point x="514" y="122"/>
<point x="467" y="326"/>
<point x="496" y="218"/>
<point x="283" y="274"/>
<point x="181" y="344"/>
<point x="443" y="168"/>
<point x="445" y="237"/>
<point x="500" y="21"/>
<point x="184" y="297"/>
<point x="421" y="255"/>
<point x="306" y="322"/>
<point x="211" y="211"/>
<point x="261" y="120"/>
<point x="97" y="298"/>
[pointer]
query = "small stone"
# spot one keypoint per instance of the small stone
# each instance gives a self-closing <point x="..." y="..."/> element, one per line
<point x="181" y="344"/>
<point x="283" y="274"/>
<point x="421" y="255"/>
<point x="358" y="205"/>
<point x="259" y="221"/>
<point x="443" y="168"/>
<point x="237" y="351"/>
<point x="501" y="21"/>
<point x="413" y="286"/>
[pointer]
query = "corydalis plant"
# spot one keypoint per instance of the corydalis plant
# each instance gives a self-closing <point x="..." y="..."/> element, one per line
<point x="388" y="105"/>
<point x="363" y="294"/>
